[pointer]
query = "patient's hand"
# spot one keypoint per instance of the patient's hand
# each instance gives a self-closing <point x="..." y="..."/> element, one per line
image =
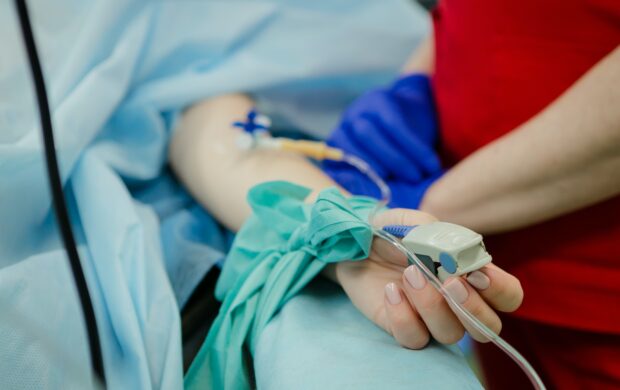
<point x="400" y="300"/>
<point x="219" y="175"/>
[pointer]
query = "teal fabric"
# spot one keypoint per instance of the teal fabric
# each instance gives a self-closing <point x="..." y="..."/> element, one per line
<point x="282" y="247"/>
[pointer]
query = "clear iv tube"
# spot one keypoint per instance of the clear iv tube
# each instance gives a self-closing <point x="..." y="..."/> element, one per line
<point x="311" y="149"/>
<point x="365" y="168"/>
<point x="461" y="311"/>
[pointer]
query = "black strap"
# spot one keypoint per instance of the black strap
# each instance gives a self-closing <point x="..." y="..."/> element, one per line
<point x="58" y="198"/>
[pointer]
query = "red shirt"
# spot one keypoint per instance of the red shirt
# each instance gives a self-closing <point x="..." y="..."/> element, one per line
<point x="498" y="63"/>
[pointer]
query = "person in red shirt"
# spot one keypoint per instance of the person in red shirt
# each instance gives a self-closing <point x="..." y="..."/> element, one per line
<point x="527" y="97"/>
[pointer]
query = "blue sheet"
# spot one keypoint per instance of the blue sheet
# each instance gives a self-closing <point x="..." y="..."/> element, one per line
<point x="319" y="329"/>
<point x="118" y="72"/>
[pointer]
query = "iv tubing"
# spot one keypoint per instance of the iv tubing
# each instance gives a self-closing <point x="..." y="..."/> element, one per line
<point x="461" y="311"/>
<point x="320" y="151"/>
<point x="313" y="149"/>
<point x="464" y="314"/>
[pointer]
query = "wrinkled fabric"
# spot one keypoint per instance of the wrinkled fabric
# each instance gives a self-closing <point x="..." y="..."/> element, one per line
<point x="118" y="72"/>
<point x="279" y="250"/>
<point x="319" y="340"/>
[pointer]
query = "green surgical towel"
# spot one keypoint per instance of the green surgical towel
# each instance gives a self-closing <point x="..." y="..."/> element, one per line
<point x="278" y="251"/>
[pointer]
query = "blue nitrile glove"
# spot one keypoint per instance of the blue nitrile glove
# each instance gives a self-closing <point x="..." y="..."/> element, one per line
<point x="409" y="195"/>
<point x="395" y="131"/>
<point x="404" y="194"/>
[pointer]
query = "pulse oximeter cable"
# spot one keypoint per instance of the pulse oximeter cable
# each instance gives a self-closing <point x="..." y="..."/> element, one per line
<point x="256" y="135"/>
<point x="58" y="199"/>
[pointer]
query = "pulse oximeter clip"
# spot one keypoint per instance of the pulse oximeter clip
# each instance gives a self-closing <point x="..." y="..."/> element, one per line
<point x="445" y="249"/>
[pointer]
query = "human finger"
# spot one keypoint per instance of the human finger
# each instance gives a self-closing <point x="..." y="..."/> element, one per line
<point x="375" y="141"/>
<point x="404" y="217"/>
<point x="440" y="320"/>
<point x="384" y="249"/>
<point x="469" y="298"/>
<point x="403" y="321"/>
<point x="424" y="156"/>
<point x="497" y="287"/>
<point x="421" y="157"/>
<point x="346" y="139"/>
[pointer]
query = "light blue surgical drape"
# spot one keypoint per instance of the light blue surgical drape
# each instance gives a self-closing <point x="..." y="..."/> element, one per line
<point x="118" y="72"/>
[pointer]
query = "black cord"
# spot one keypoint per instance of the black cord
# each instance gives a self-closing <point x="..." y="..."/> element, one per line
<point x="57" y="193"/>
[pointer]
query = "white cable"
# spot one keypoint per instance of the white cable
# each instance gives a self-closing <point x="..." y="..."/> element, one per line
<point x="459" y="309"/>
<point x="463" y="313"/>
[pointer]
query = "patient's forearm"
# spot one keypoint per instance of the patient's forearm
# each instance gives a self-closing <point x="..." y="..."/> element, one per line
<point x="565" y="158"/>
<point x="204" y="155"/>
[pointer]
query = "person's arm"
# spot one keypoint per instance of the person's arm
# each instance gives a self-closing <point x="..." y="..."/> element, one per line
<point x="202" y="152"/>
<point x="565" y="158"/>
<point x="204" y="156"/>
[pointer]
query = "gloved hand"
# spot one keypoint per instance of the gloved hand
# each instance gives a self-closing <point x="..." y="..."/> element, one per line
<point x="409" y="195"/>
<point x="394" y="130"/>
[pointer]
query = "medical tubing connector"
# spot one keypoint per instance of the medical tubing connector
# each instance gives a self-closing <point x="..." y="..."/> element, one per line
<point x="385" y="194"/>
<point x="460" y="310"/>
<point x="463" y="313"/>
<point x="58" y="199"/>
<point x="316" y="150"/>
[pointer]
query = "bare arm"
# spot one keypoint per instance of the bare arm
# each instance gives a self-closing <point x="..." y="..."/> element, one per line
<point x="219" y="175"/>
<point x="204" y="156"/>
<point x="565" y="158"/>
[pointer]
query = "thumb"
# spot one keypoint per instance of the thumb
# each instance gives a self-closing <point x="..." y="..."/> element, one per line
<point x="386" y="250"/>
<point x="402" y="217"/>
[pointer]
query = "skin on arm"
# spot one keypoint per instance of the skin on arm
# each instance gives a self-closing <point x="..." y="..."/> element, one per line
<point x="565" y="158"/>
<point x="204" y="156"/>
<point x="203" y="153"/>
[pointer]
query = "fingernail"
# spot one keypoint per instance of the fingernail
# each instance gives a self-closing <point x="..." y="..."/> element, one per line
<point x="479" y="280"/>
<point x="414" y="277"/>
<point x="457" y="290"/>
<point x="392" y="293"/>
